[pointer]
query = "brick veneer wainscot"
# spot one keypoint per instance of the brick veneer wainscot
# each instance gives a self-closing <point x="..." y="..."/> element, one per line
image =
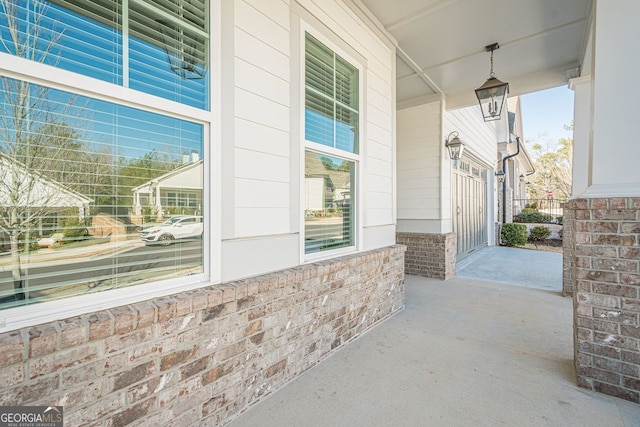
<point x="606" y="272"/>
<point x="202" y="356"/>
<point x="429" y="255"/>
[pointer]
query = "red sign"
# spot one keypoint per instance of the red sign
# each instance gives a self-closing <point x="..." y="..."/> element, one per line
<point x="549" y="193"/>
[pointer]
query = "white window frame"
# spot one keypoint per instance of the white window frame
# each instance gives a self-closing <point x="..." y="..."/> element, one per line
<point x="324" y="149"/>
<point x="23" y="69"/>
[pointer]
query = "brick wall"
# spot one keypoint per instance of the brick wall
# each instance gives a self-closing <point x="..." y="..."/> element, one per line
<point x="201" y="356"/>
<point x="429" y="255"/>
<point x="568" y="250"/>
<point x="606" y="274"/>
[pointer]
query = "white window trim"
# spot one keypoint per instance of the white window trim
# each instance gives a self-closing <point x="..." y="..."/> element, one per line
<point x="56" y="78"/>
<point x="320" y="148"/>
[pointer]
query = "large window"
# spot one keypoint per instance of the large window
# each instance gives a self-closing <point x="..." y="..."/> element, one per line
<point x="97" y="195"/>
<point x="88" y="193"/>
<point x="332" y="148"/>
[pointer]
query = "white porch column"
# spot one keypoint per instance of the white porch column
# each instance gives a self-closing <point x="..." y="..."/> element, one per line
<point x="601" y="256"/>
<point x="581" y="87"/>
<point x="159" y="203"/>
<point x="616" y="90"/>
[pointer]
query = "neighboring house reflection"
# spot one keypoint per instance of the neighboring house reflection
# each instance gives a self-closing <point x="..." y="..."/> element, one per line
<point x="178" y="192"/>
<point x="35" y="199"/>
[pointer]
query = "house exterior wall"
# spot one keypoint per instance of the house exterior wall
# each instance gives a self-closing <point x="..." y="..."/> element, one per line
<point x="420" y="177"/>
<point x="199" y="357"/>
<point x="264" y="205"/>
<point x="204" y="352"/>
<point x="424" y="181"/>
<point x="480" y="136"/>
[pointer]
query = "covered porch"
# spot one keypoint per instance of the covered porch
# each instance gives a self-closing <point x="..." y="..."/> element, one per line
<point x="463" y="352"/>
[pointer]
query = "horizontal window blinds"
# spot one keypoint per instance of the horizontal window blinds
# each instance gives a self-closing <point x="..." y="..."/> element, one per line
<point x="331" y="98"/>
<point x="82" y="182"/>
<point x="168" y="42"/>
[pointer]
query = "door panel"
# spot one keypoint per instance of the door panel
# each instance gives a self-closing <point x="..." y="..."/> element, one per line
<point x="469" y="200"/>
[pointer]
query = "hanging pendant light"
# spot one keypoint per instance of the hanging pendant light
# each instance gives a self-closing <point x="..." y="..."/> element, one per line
<point x="492" y="94"/>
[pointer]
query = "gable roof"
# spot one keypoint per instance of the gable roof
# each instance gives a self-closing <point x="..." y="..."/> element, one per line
<point x="186" y="176"/>
<point x="44" y="192"/>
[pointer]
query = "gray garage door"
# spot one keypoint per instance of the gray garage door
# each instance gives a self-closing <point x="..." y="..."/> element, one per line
<point x="469" y="200"/>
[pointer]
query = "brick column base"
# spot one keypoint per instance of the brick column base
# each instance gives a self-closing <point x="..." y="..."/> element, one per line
<point x="606" y="283"/>
<point x="568" y="250"/>
<point x="429" y="254"/>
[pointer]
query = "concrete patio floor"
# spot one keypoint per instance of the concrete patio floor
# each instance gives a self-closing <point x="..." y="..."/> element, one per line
<point x="465" y="352"/>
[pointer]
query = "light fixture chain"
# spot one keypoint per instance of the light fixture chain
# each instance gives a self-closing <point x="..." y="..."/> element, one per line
<point x="492" y="74"/>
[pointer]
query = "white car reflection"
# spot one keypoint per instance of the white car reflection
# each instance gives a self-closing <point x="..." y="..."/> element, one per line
<point x="175" y="228"/>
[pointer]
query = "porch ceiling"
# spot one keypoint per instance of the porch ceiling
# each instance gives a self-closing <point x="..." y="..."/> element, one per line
<point x="441" y="44"/>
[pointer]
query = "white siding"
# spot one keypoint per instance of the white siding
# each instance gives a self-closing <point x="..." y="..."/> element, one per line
<point x="264" y="143"/>
<point x="419" y="158"/>
<point x="262" y="119"/>
<point x="479" y="136"/>
<point x="378" y="108"/>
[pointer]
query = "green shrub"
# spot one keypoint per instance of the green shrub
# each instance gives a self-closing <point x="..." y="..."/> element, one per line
<point x="513" y="234"/>
<point x="539" y="233"/>
<point x="529" y="210"/>
<point x="532" y="217"/>
<point x="533" y="205"/>
<point x="559" y="219"/>
<point x="72" y="228"/>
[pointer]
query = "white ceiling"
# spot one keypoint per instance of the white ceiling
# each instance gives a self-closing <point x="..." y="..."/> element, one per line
<point x="441" y="44"/>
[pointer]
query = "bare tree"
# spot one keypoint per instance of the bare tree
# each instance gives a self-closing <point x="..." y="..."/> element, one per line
<point x="553" y="169"/>
<point x="34" y="136"/>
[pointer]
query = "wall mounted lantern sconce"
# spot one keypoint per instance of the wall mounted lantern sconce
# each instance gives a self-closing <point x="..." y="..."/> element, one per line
<point x="454" y="145"/>
<point x="522" y="178"/>
<point x="492" y="94"/>
<point x="500" y="176"/>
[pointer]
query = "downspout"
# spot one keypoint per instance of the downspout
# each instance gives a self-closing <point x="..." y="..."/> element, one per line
<point x="504" y="183"/>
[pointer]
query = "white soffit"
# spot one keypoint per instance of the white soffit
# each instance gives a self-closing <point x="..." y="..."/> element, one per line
<point x="442" y="41"/>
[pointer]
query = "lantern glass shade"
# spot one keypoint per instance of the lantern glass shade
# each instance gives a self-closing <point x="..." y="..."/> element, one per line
<point x="456" y="148"/>
<point x="186" y="51"/>
<point x="491" y="96"/>
<point x="500" y="176"/>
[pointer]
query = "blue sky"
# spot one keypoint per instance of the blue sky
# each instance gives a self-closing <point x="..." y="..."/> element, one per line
<point x="545" y="113"/>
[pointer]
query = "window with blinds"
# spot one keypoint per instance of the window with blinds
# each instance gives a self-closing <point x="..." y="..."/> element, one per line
<point x="331" y="98"/>
<point x="159" y="47"/>
<point x="332" y="147"/>
<point x="94" y="195"/>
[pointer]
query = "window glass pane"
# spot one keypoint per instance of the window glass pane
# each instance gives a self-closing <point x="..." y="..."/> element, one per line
<point x="84" y="39"/>
<point x="319" y="67"/>
<point x="168" y="42"/>
<point x="329" y="202"/>
<point x="169" y="50"/>
<point x="319" y="123"/>
<point x="83" y="191"/>
<point x="346" y="83"/>
<point x="346" y="129"/>
<point x="331" y="98"/>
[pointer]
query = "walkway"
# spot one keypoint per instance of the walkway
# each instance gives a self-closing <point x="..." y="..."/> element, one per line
<point x="464" y="352"/>
<point x="514" y="266"/>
